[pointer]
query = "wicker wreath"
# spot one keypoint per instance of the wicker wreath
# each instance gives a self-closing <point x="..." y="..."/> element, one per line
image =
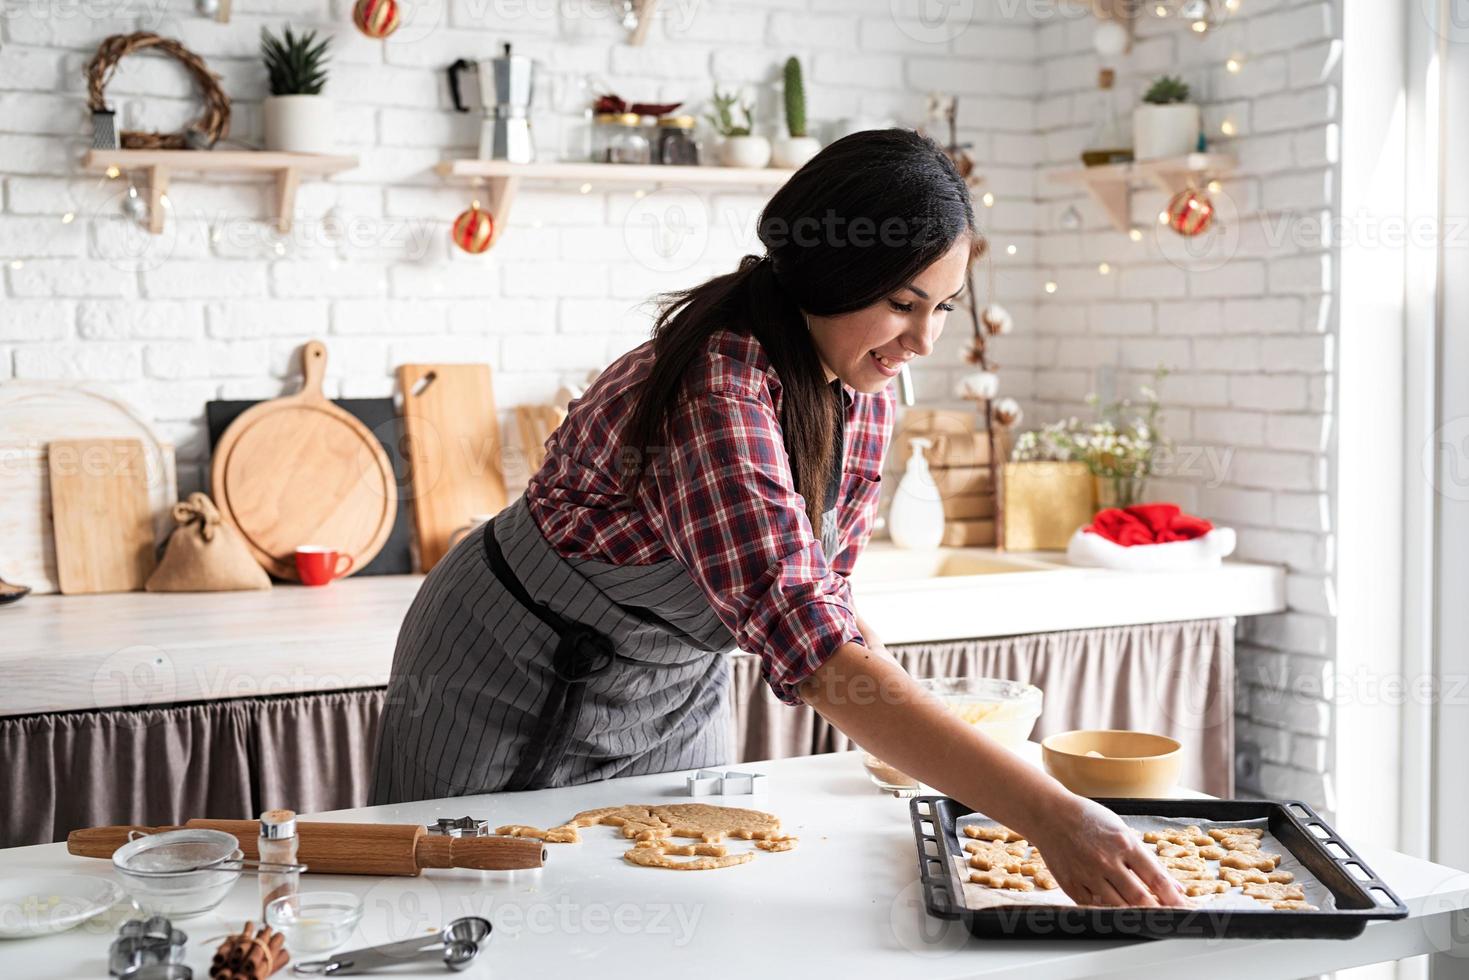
<point x="211" y="126"/>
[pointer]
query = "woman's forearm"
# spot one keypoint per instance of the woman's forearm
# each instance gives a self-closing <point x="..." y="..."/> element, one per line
<point x="876" y="704"/>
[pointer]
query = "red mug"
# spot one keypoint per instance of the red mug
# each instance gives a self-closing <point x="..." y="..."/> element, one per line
<point x="318" y="565"/>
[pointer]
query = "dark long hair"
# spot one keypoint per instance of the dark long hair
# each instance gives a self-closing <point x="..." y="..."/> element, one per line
<point x="856" y="223"/>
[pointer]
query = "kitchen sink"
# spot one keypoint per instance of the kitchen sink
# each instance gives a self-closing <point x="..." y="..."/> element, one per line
<point x="881" y="565"/>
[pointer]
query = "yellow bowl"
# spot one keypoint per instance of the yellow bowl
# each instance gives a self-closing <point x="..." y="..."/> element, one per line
<point x="1110" y="762"/>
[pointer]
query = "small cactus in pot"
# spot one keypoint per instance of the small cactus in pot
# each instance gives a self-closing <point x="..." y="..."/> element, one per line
<point x="794" y="150"/>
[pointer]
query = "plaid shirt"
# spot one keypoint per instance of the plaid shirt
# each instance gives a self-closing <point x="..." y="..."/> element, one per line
<point x="723" y="503"/>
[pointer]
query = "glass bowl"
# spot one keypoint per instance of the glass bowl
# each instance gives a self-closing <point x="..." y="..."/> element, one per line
<point x="1004" y="710"/>
<point x="171" y="873"/>
<point x="315" y="922"/>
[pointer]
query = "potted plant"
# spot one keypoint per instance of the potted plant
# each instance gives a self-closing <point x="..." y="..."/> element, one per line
<point x="793" y="151"/>
<point x="740" y="148"/>
<point x="298" y="118"/>
<point x="1120" y="449"/>
<point x="1167" y="123"/>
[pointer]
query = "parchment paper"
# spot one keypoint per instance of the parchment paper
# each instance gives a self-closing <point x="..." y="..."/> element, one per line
<point x="982" y="897"/>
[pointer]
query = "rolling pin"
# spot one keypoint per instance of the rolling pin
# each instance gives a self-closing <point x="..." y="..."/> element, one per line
<point x="347" y="848"/>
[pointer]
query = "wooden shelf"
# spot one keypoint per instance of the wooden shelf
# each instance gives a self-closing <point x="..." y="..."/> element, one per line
<point x="1111" y="184"/>
<point x="615" y="173"/>
<point x="501" y="179"/>
<point x="158" y="166"/>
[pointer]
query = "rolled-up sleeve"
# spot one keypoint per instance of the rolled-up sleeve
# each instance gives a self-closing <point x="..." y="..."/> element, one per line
<point x="723" y="500"/>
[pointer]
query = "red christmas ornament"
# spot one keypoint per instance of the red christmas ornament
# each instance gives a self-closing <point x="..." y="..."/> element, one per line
<point x="376" y="18"/>
<point x="474" y="230"/>
<point x="1190" y="212"/>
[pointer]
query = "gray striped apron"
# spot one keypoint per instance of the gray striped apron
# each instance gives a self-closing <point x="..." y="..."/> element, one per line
<point x="475" y="671"/>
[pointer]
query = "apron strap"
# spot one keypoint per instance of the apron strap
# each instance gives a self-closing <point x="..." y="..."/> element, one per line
<point x="581" y="654"/>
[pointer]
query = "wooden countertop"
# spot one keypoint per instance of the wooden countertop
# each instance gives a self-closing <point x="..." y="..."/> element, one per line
<point x="71" y="653"/>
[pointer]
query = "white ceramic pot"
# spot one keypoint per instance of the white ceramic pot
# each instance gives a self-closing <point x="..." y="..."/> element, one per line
<point x="794" y="151"/>
<point x="300" y="124"/>
<point x="1164" y="130"/>
<point x="745" y="151"/>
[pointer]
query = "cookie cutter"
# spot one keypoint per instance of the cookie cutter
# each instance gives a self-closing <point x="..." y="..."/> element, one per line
<point x="145" y="943"/>
<point x="709" y="782"/>
<point x="456" y="946"/>
<point x="461" y="827"/>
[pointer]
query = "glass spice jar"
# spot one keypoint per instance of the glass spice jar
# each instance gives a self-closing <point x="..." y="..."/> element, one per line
<point x="676" y="145"/>
<point x="620" y="138"/>
<point x="278" y="845"/>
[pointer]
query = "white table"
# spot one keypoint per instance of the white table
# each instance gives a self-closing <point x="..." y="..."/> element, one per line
<point x="846" y="902"/>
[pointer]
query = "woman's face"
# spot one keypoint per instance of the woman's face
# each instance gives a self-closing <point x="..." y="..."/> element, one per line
<point x="867" y="347"/>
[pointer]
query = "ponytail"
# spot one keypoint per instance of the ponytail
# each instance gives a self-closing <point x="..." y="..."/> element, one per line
<point x="748" y="301"/>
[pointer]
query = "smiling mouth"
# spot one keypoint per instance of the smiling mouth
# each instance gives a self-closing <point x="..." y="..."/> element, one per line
<point x="888" y="364"/>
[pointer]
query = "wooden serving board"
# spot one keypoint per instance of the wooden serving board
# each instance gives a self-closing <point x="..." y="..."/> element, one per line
<point x="298" y="470"/>
<point x="32" y="415"/>
<point x="99" y="507"/>
<point x="453" y="450"/>
<point x="380" y="415"/>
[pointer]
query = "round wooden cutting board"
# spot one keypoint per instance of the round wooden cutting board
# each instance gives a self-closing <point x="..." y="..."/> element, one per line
<point x="299" y="470"/>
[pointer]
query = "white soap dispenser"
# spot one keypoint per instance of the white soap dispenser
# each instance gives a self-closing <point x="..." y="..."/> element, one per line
<point x="916" y="517"/>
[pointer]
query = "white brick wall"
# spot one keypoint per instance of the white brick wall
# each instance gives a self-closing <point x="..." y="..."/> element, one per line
<point x="215" y="306"/>
<point x="1247" y="336"/>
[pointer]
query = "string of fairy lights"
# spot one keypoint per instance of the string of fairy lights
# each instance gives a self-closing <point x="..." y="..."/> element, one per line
<point x="1112" y="39"/>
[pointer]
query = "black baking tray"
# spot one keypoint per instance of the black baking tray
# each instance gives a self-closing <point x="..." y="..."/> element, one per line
<point x="1360" y="895"/>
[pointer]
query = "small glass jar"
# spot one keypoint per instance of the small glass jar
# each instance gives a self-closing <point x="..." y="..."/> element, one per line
<point x="676" y="146"/>
<point x="620" y="138"/>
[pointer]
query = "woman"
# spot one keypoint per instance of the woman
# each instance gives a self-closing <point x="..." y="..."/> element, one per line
<point x="714" y="488"/>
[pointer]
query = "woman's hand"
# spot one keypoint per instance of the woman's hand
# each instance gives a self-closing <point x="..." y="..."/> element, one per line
<point x="1098" y="860"/>
<point x="1093" y="855"/>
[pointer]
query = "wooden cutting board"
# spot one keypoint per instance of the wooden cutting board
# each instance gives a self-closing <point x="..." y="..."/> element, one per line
<point x="298" y="470"/>
<point x="453" y="450"/>
<point x="380" y="415"/>
<point x="536" y="423"/>
<point x="99" y="507"/>
<point x="32" y="414"/>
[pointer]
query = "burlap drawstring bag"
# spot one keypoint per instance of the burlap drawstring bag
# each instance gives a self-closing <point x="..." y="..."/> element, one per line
<point x="204" y="555"/>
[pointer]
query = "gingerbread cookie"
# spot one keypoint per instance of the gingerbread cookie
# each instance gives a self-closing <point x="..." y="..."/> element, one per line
<point x="1245" y="860"/>
<point x="776" y="844"/>
<point x="1187" y="835"/>
<point x="999" y="879"/>
<point x="552" y="835"/>
<point x="1014" y="848"/>
<point x="997" y="862"/>
<point x="1293" y="905"/>
<point x="700" y="821"/>
<point x="1224" y="833"/>
<point x="992" y="832"/>
<point x="1237" y="877"/>
<point x="1196" y="889"/>
<point x="1275" y="892"/>
<point x="684" y="850"/>
<point x="652" y="857"/>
